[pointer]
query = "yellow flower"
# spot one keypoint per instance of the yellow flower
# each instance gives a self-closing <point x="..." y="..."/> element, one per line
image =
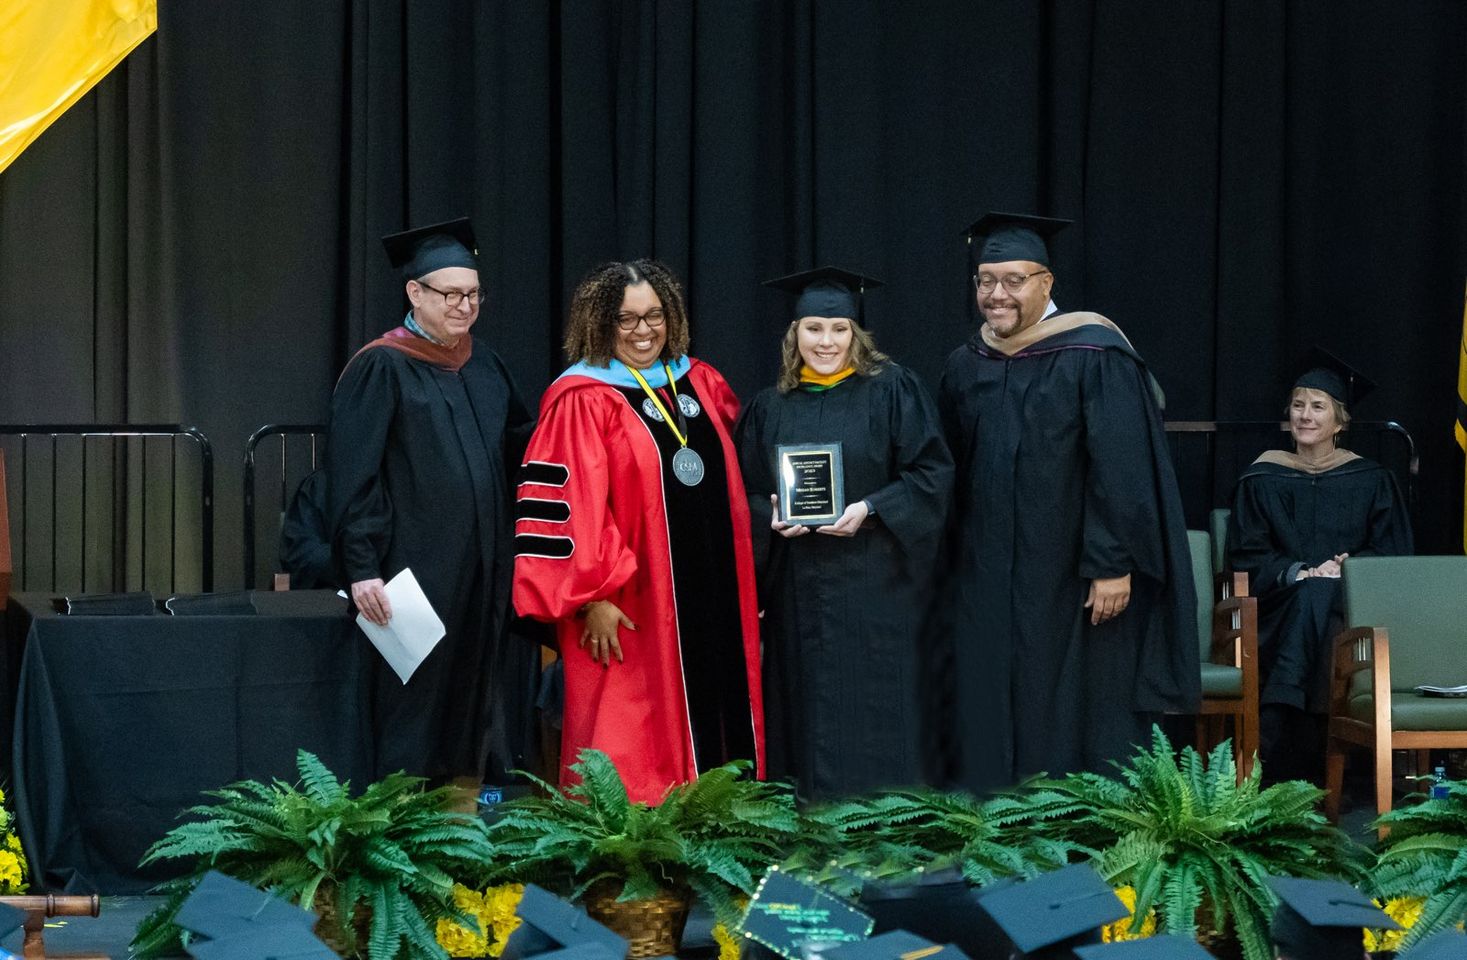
<point x="494" y="913"/>
<point x="11" y="875"/>
<point x="1405" y="911"/>
<point x="728" y="944"/>
<point x="1121" y="929"/>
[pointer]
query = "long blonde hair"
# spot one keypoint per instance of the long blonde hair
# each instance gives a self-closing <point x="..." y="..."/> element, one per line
<point x="863" y="356"/>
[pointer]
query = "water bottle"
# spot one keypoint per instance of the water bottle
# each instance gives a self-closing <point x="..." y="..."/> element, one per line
<point x="1439" y="789"/>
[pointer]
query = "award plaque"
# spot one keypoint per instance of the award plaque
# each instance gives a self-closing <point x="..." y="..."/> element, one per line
<point x="811" y="483"/>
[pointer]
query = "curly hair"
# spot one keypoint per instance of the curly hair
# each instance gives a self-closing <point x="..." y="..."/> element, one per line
<point x="863" y="356"/>
<point x="590" y="329"/>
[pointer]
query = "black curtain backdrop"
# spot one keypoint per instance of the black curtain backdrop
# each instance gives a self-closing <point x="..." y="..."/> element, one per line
<point x="197" y="239"/>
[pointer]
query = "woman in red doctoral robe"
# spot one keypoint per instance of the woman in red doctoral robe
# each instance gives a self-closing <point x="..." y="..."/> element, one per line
<point x="633" y="537"/>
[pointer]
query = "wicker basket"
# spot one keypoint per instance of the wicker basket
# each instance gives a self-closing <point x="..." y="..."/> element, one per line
<point x="328" y="925"/>
<point x="652" y="927"/>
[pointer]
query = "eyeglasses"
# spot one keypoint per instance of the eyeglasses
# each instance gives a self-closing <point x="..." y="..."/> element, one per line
<point x="628" y="321"/>
<point x="452" y="298"/>
<point x="1012" y="282"/>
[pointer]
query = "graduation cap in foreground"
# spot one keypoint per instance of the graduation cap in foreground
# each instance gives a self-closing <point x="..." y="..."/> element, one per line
<point x="826" y="291"/>
<point x="1161" y="947"/>
<point x="1446" y="945"/>
<point x="891" y="945"/>
<point x="1327" y="372"/>
<point x="1055" y="912"/>
<point x="938" y="905"/>
<point x="553" y="927"/>
<point x="1323" y="919"/>
<point x="1000" y="237"/>
<point x="11" y="919"/>
<point x="418" y="252"/>
<point x="234" y="921"/>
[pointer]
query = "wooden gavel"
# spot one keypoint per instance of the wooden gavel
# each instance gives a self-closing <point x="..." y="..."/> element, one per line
<point x="38" y="908"/>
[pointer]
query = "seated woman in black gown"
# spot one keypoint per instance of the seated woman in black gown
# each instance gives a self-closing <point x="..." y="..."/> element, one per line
<point x="844" y="599"/>
<point x="1297" y="517"/>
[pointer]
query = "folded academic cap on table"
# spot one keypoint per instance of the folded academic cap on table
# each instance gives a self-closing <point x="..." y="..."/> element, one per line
<point x="552" y="924"/>
<point x="1323" y="919"/>
<point x="234" y="921"/>
<point x="938" y="905"/>
<point x="1055" y="912"/>
<point x="1161" y="947"/>
<point x="11" y="919"/>
<point x="891" y="945"/>
<point x="1446" y="945"/>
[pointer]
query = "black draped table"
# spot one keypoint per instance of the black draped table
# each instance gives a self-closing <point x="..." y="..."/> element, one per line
<point x="120" y="722"/>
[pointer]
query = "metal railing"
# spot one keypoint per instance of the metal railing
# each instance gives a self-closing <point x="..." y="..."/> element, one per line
<point x="1208" y="479"/>
<point x="285" y="473"/>
<point x="68" y="497"/>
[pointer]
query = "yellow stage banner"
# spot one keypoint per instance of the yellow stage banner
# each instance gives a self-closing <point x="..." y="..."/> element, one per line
<point x="53" y="51"/>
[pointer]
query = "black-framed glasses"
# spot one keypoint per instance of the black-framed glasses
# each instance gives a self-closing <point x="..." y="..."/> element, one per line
<point x="452" y="298"/>
<point x="654" y="317"/>
<point x="1012" y="282"/>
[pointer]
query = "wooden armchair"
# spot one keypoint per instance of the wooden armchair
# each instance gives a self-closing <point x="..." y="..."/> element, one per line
<point x="1407" y="620"/>
<point x="1227" y="633"/>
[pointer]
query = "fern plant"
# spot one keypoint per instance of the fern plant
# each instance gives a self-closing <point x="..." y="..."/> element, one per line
<point x="1193" y="841"/>
<point x="393" y="852"/>
<point x="1425" y="855"/>
<point x="900" y="832"/>
<point x="714" y="835"/>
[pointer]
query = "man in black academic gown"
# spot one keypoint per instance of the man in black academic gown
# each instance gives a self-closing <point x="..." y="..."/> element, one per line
<point x="425" y="423"/>
<point x="1074" y="616"/>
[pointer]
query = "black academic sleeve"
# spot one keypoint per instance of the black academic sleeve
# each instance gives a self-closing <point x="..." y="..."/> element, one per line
<point x="1389" y="534"/>
<point x="360" y="514"/>
<point x="1253" y="546"/>
<point x="915" y="504"/>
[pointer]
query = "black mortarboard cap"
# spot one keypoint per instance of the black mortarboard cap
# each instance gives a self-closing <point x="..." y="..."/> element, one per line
<point x="1327" y="372"/>
<point x="1446" y="945"/>
<point x="938" y="905"/>
<point x="221" y="906"/>
<point x="1054" y="912"/>
<point x="551" y="923"/>
<point x="1161" y="947"/>
<point x="418" y="252"/>
<point x="232" y="920"/>
<point x="826" y="291"/>
<point x="284" y="942"/>
<point x="1001" y="237"/>
<point x="11" y="919"/>
<point x="1323" y="919"/>
<point x="891" y="945"/>
<point x="591" y="950"/>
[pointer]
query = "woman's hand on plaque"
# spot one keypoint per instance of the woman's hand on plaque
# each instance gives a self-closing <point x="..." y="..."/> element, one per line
<point x="779" y="526"/>
<point x="849" y="522"/>
<point x="602" y="620"/>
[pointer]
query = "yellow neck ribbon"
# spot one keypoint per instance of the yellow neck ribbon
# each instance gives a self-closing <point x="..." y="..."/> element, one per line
<point x="657" y="401"/>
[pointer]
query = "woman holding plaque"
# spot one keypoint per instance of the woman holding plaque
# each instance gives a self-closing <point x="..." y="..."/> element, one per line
<point x="632" y="536"/>
<point x="849" y="482"/>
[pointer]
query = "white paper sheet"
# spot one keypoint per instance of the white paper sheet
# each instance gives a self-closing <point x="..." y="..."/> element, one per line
<point x="412" y="632"/>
